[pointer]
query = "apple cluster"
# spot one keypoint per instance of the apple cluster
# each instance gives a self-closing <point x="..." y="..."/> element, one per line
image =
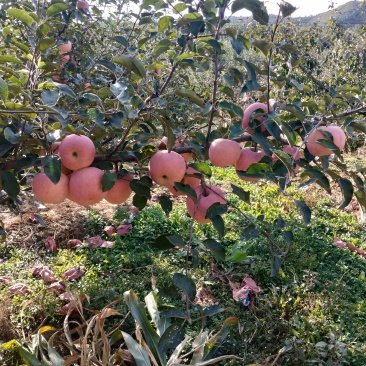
<point x="79" y="182"/>
<point x="82" y="183"/>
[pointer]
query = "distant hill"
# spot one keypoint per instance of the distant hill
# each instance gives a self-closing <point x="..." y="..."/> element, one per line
<point x="350" y="14"/>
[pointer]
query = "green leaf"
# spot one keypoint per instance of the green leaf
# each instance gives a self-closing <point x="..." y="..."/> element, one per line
<point x="289" y="237"/>
<point x="255" y="6"/>
<point x="243" y="195"/>
<point x="275" y="265"/>
<point x="202" y="168"/>
<point x="219" y="225"/>
<point x="295" y="110"/>
<point x="4" y="90"/>
<point x="305" y="211"/>
<point x="296" y="84"/>
<point x="360" y="126"/>
<point x="46" y="43"/>
<point x="190" y="95"/>
<point x="215" y="342"/>
<point x="28" y="357"/>
<point x="176" y="240"/>
<point x="165" y="22"/>
<point x="213" y="43"/>
<point x="231" y="107"/>
<point x="319" y="176"/>
<point x="263" y="142"/>
<point x="108" y="181"/>
<point x="216" y="209"/>
<point x="213" y="310"/>
<point x="328" y="144"/>
<point x="215" y="248"/>
<point x="40" y="220"/>
<point x="166" y="204"/>
<point x="94" y="97"/>
<point x="4" y="59"/>
<point x="21" y="15"/>
<point x="287" y="130"/>
<point x="64" y="89"/>
<point x="50" y="98"/>
<point x="279" y="223"/>
<point x="188" y="18"/>
<point x="163" y="243"/>
<point x="251" y="85"/>
<point x="185" y="284"/>
<point x="140" y="356"/>
<point x="138" y="68"/>
<point x="120" y="39"/>
<point x="286" y="159"/>
<point x="57" y="8"/>
<point x="263" y="45"/>
<point x="347" y="191"/>
<point x="131" y="64"/>
<point x="187" y="189"/>
<point x="139" y="201"/>
<point x="138" y="313"/>
<point x="161" y="324"/>
<point x="252" y="75"/>
<point x="171" y="338"/>
<point x="140" y="187"/>
<point x="52" y="167"/>
<point x="10" y="136"/>
<point x="286" y="9"/>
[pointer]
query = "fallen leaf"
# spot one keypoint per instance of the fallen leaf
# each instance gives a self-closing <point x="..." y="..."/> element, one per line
<point x="95" y="241"/>
<point x="67" y="296"/>
<point x="56" y="287"/>
<point x="108" y="244"/>
<point x="124" y="229"/>
<point x="72" y="243"/>
<point x="74" y="273"/>
<point x="48" y="276"/>
<point x="71" y="308"/>
<point x="38" y="269"/>
<point x="133" y="211"/>
<point x="51" y="244"/>
<point x="19" y="289"/>
<point x="6" y="279"/>
<point x="204" y="297"/>
<point x="110" y="230"/>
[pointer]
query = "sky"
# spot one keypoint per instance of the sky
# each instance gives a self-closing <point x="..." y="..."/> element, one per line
<point x="305" y="7"/>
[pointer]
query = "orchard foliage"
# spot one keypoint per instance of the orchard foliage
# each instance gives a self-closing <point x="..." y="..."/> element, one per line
<point x="178" y="69"/>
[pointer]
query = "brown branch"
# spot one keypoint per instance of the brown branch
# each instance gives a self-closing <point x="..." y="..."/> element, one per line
<point x="336" y="116"/>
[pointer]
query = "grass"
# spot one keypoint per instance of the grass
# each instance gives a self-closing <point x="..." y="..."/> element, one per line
<point x="312" y="311"/>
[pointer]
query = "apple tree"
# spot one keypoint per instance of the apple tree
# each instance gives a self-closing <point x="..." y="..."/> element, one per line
<point x="157" y="86"/>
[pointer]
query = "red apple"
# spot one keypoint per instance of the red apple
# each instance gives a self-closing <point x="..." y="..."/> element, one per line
<point x="86" y="186"/>
<point x="247" y="158"/>
<point x="76" y="151"/>
<point x="224" y="152"/>
<point x="316" y="149"/>
<point x="82" y="5"/>
<point x="120" y="191"/>
<point x="249" y="111"/>
<point x="65" y="47"/>
<point x="166" y="168"/>
<point x="206" y="198"/>
<point x="45" y="190"/>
